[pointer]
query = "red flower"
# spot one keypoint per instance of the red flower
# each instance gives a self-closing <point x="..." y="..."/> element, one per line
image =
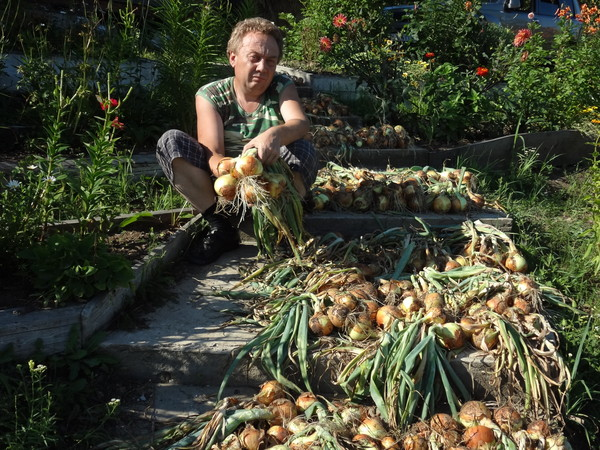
<point x="111" y="102"/>
<point x="339" y="20"/>
<point x="429" y="55"/>
<point x="116" y="124"/>
<point x="325" y="44"/>
<point x="483" y="71"/>
<point x="521" y="37"/>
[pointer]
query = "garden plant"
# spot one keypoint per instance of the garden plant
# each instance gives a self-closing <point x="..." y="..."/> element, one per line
<point x="100" y="90"/>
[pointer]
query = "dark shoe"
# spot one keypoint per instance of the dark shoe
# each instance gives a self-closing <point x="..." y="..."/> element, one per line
<point x="212" y="245"/>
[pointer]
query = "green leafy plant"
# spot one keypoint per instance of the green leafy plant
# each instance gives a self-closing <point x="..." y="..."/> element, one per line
<point x="28" y="419"/>
<point x="69" y="266"/>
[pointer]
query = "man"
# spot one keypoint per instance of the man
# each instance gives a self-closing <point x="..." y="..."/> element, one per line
<point x="256" y="108"/>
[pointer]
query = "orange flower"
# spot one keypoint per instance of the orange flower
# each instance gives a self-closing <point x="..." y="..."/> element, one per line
<point x="564" y="13"/>
<point x="524" y="56"/>
<point x="429" y="55"/>
<point x="325" y="44"/>
<point x="339" y="20"/>
<point x="521" y="37"/>
<point x="483" y="71"/>
<point x="468" y="5"/>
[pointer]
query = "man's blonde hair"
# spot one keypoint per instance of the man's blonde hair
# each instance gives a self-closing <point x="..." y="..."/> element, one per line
<point x="254" y="25"/>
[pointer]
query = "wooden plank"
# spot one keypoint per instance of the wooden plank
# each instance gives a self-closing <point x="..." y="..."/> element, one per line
<point x="52" y="327"/>
<point x="351" y="224"/>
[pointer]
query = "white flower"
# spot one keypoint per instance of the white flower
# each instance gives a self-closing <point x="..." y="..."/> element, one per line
<point x="13" y="184"/>
<point x="32" y="167"/>
<point x="50" y="179"/>
<point x="530" y="16"/>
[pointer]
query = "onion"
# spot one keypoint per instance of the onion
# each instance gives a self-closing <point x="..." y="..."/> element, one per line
<point x="450" y="335"/>
<point x="415" y="442"/>
<point x="451" y="264"/>
<point x="472" y="412"/>
<point x="557" y="442"/>
<point x="343" y="198"/>
<point x="382" y="203"/>
<point x="409" y="305"/>
<point x="432" y="300"/>
<point x="320" y="324"/>
<point x="275" y="183"/>
<point x="346" y="299"/>
<point x="247" y="166"/>
<point x="320" y="201"/>
<point x="470" y="325"/>
<point x="297" y="425"/>
<point x="269" y="391"/>
<point x="458" y="204"/>
<point x="477" y="199"/>
<point x="338" y="314"/>
<point x="365" y="442"/>
<point x="538" y="429"/>
<point x="508" y="419"/>
<point x="231" y="442"/>
<point x="360" y="331"/>
<point x="251" y="438"/>
<point x="364" y="291"/>
<point x="373" y="427"/>
<point x="371" y="307"/>
<point x="485" y="339"/>
<point x="278" y="433"/>
<point x="389" y="443"/>
<point x="283" y="410"/>
<point x="498" y="303"/>
<point x="442" y="422"/>
<point x="522" y="304"/>
<point x="441" y="204"/>
<point x="478" y="436"/>
<point x="305" y="400"/>
<point x="386" y="315"/>
<point x="226" y="187"/>
<point x="225" y="166"/>
<point x="515" y="262"/>
<point x="435" y="315"/>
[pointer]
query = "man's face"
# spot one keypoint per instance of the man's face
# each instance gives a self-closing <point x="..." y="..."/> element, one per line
<point x="255" y="61"/>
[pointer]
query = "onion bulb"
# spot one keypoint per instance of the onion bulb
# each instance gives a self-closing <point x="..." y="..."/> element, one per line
<point x="360" y="331"/>
<point x="269" y="391"/>
<point x="347" y="299"/>
<point x="305" y="400"/>
<point x="478" y="436"/>
<point x="373" y="427"/>
<point x="441" y="204"/>
<point x="278" y="433"/>
<point x="508" y="419"/>
<point x="389" y="443"/>
<point x="338" y="314"/>
<point x="365" y="442"/>
<point x="283" y="411"/>
<point x="275" y="183"/>
<point x="538" y="429"/>
<point x="226" y="187"/>
<point x="442" y="422"/>
<point x="320" y="324"/>
<point x="415" y="442"/>
<point x="450" y="335"/>
<point x="225" y="166"/>
<point x="485" y="339"/>
<point x="251" y="438"/>
<point x="472" y="412"/>
<point x="458" y="204"/>
<point x="297" y="425"/>
<point x="247" y="166"/>
<point x="515" y="262"/>
<point x="386" y="315"/>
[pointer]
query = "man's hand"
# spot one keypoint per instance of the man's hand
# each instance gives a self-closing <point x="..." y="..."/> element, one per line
<point x="267" y="146"/>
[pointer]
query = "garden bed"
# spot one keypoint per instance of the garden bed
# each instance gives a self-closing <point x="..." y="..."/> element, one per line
<point x="23" y="327"/>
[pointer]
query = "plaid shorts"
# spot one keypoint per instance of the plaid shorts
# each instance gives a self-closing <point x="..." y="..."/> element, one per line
<point x="300" y="155"/>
